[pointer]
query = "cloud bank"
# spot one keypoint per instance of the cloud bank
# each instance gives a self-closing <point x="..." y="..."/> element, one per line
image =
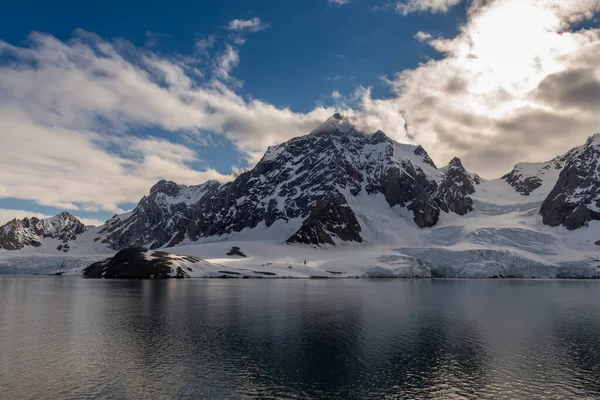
<point x="518" y="83"/>
<point x="66" y="109"/>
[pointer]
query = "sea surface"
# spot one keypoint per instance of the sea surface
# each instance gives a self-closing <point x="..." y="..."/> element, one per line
<point x="74" y="338"/>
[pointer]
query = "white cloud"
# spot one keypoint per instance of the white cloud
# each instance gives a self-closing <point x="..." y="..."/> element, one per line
<point x="423" y="36"/>
<point x="435" y="6"/>
<point x="495" y="97"/>
<point x="91" y="221"/>
<point x="226" y="62"/>
<point x="67" y="147"/>
<point x="250" y="25"/>
<point x="203" y="45"/>
<point x="339" y="3"/>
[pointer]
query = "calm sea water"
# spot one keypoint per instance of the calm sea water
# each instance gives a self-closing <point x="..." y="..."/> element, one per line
<point x="63" y="338"/>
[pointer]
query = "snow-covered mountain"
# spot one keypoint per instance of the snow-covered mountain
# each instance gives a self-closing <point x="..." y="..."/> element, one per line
<point x="158" y="217"/>
<point x="569" y="185"/>
<point x="301" y="190"/>
<point x="57" y="231"/>
<point x="369" y="196"/>
<point x="575" y="199"/>
<point x="537" y="179"/>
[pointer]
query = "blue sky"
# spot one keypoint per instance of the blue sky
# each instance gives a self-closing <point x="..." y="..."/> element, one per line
<point x="280" y="70"/>
<point x="309" y="49"/>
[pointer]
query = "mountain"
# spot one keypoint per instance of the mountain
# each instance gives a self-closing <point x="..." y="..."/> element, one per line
<point x="455" y="189"/>
<point x="569" y="185"/>
<point x="297" y="180"/>
<point x="534" y="178"/>
<point x="59" y="231"/>
<point x="157" y="218"/>
<point x="300" y="189"/>
<point x="575" y="199"/>
<point x="366" y="206"/>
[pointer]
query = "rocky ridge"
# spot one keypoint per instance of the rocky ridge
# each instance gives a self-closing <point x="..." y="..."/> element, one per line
<point x="20" y="233"/>
<point x="306" y="191"/>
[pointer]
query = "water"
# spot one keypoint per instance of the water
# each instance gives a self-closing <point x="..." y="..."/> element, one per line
<point x="63" y="338"/>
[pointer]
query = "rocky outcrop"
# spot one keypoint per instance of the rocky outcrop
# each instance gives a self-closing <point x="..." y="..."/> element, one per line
<point x="453" y="193"/>
<point x="575" y="199"/>
<point x="522" y="184"/>
<point x="20" y="233"/>
<point x="236" y="251"/>
<point x="410" y="187"/>
<point x="139" y="263"/>
<point x="331" y="219"/>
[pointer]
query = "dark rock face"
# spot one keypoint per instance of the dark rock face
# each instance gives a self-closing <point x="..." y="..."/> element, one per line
<point x="410" y="187"/>
<point x="420" y="151"/>
<point x="134" y="263"/>
<point x="453" y="193"/>
<point x="528" y="177"/>
<point x="18" y="234"/>
<point x="575" y="199"/>
<point x="331" y="218"/>
<point x="523" y="185"/>
<point x="158" y="217"/>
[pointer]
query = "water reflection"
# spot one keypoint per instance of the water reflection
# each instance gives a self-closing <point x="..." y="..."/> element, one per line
<point x="73" y="338"/>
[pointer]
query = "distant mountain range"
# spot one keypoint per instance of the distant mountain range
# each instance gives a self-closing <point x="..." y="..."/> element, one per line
<point x="333" y="186"/>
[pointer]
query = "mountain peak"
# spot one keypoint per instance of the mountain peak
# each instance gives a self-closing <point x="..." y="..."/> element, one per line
<point x="169" y="188"/>
<point x="66" y="215"/>
<point x="593" y="140"/>
<point x="337" y="124"/>
<point x="35" y="232"/>
<point x="455" y="162"/>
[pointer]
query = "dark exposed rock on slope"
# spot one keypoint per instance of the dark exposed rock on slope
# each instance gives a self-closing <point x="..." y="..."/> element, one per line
<point x="527" y="178"/>
<point x="457" y="185"/>
<point x="522" y="184"/>
<point x="575" y="199"/>
<point x="18" y="234"/>
<point x="331" y="218"/>
<point x="139" y="263"/>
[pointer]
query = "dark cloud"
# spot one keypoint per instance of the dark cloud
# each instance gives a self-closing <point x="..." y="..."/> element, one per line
<point x="577" y="88"/>
<point x="456" y="85"/>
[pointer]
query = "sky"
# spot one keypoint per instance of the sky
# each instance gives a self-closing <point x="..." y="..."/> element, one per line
<point x="100" y="100"/>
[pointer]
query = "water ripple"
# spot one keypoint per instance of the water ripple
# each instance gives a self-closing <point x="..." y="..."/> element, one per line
<point x="71" y="338"/>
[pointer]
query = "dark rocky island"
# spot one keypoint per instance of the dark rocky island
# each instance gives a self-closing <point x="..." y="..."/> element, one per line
<point x="139" y="263"/>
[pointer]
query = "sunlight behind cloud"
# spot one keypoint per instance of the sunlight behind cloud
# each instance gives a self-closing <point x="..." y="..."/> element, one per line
<point x="464" y="103"/>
